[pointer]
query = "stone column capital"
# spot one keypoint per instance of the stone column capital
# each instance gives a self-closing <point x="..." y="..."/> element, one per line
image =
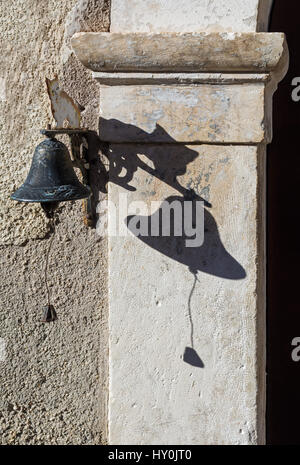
<point x="171" y="52"/>
<point x="221" y="83"/>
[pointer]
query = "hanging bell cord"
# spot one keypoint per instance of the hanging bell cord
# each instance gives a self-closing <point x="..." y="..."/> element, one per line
<point x="49" y="312"/>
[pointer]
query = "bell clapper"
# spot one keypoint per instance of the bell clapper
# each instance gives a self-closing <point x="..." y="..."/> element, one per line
<point x="49" y="208"/>
<point x="49" y="314"/>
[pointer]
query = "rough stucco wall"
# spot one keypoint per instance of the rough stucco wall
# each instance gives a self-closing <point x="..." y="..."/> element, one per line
<point x="52" y="376"/>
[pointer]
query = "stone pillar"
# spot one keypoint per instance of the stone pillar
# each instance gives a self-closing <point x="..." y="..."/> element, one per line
<point x="187" y="115"/>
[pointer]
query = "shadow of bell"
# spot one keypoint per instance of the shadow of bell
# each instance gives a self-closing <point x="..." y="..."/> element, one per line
<point x="211" y="257"/>
<point x="191" y="357"/>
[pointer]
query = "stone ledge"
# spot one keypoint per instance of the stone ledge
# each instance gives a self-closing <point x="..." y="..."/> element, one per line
<point x="117" y="79"/>
<point x="181" y="52"/>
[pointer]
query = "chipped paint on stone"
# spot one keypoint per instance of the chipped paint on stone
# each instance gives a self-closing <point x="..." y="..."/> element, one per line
<point x="63" y="107"/>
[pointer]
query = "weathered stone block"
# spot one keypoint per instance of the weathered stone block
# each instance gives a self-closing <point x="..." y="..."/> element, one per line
<point x="189" y="15"/>
<point x="206" y="113"/>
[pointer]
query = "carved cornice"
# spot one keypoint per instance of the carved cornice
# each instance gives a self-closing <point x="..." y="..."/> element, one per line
<point x="181" y="52"/>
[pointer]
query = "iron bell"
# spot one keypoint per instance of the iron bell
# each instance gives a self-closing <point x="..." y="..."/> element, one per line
<point x="51" y="177"/>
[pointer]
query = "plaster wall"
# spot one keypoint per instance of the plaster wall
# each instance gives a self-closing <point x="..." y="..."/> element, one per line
<point x="52" y="376"/>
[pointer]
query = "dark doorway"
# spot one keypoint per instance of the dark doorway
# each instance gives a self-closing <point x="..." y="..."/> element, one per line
<point x="283" y="309"/>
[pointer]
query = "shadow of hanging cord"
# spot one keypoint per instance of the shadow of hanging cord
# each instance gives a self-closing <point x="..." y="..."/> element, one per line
<point x="190" y="356"/>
